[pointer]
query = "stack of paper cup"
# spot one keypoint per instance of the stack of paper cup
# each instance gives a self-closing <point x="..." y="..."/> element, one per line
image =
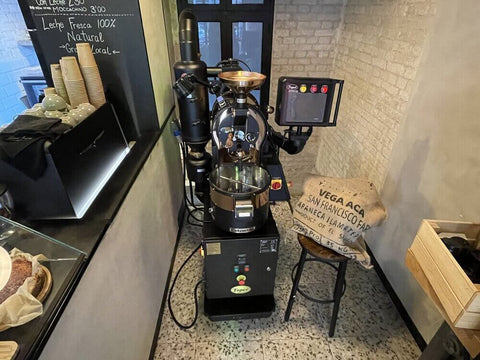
<point x="72" y="76"/>
<point x="57" y="78"/>
<point x="91" y="75"/>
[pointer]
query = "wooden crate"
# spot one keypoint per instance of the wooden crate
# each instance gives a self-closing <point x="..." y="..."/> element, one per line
<point x="469" y="338"/>
<point x="457" y="294"/>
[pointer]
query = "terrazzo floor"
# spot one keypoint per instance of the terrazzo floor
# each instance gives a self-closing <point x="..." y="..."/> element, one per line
<point x="368" y="326"/>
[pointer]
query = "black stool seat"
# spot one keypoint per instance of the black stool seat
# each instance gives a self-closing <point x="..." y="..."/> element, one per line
<point x="325" y="255"/>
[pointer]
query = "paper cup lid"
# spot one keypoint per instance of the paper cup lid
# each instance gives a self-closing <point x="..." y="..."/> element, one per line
<point x="5" y="267"/>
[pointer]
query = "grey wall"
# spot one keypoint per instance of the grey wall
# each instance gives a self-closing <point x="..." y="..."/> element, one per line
<point x="435" y="166"/>
<point x="114" y="310"/>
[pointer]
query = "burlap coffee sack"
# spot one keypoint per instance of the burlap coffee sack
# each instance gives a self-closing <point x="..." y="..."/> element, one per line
<point x="336" y="212"/>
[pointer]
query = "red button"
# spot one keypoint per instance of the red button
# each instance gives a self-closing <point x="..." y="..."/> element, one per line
<point x="246" y="268"/>
<point x="241" y="282"/>
<point x="324" y="89"/>
<point x="276" y="184"/>
<point x="313" y="88"/>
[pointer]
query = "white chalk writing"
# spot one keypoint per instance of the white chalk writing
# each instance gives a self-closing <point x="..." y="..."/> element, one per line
<point x="79" y="21"/>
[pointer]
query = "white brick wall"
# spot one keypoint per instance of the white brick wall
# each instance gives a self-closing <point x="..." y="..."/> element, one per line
<point x="377" y="54"/>
<point x="303" y="45"/>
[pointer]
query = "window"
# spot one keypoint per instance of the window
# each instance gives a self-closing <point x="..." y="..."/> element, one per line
<point x="21" y="77"/>
<point x="240" y="29"/>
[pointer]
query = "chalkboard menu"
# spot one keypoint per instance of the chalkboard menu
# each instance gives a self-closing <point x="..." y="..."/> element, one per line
<point x="114" y="30"/>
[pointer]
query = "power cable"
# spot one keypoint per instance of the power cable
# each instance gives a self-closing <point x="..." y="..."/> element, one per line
<point x="180" y="325"/>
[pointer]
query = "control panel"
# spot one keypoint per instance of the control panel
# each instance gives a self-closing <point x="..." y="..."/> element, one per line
<point x="305" y="101"/>
<point x="247" y="267"/>
<point x="242" y="265"/>
<point x="239" y="271"/>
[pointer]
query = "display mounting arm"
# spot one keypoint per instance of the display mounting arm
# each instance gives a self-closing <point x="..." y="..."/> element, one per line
<point x="293" y="139"/>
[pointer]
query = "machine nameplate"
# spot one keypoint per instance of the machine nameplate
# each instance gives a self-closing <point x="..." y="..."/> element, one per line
<point x="214" y="249"/>
<point x="268" y="246"/>
<point x="242" y="230"/>
<point x="240" y="289"/>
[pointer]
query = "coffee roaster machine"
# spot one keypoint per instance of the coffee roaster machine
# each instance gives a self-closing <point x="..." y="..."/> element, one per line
<point x="243" y="174"/>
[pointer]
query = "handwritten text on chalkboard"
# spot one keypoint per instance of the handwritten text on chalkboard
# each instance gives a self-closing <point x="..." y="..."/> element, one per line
<point x="78" y="21"/>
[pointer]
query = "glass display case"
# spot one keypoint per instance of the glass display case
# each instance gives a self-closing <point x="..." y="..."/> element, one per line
<point x="63" y="262"/>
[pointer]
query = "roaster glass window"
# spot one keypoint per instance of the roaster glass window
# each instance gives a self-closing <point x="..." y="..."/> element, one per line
<point x="247" y="46"/>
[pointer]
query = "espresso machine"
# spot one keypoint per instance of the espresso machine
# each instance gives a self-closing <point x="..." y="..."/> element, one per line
<point x="243" y="174"/>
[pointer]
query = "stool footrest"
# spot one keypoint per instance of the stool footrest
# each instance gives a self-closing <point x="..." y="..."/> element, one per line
<point x="311" y="298"/>
<point x="340" y="283"/>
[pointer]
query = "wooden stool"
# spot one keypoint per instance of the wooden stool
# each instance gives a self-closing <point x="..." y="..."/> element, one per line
<point x="324" y="255"/>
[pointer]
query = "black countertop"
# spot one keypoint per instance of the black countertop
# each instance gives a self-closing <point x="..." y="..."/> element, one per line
<point x="84" y="234"/>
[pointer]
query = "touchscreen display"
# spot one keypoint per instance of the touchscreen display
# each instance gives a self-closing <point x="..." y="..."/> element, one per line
<point x="304" y="107"/>
<point x="308" y="101"/>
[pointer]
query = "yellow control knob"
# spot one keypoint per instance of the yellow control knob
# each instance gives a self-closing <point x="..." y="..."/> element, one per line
<point x="303" y="88"/>
<point x="241" y="277"/>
